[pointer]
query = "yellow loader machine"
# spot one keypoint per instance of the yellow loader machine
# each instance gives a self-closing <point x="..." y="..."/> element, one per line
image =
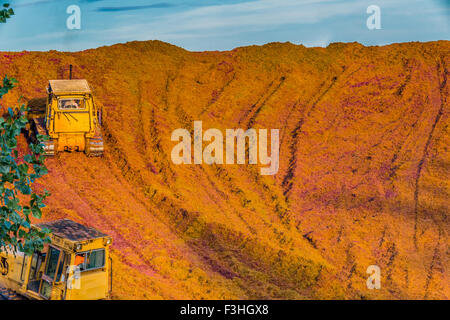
<point x="74" y="266"/>
<point x="71" y="121"/>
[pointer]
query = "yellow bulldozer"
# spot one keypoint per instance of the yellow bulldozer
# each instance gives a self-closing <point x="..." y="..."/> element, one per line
<point x="74" y="266"/>
<point x="71" y="120"/>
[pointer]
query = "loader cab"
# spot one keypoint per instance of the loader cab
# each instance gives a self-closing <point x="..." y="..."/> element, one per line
<point x="75" y="266"/>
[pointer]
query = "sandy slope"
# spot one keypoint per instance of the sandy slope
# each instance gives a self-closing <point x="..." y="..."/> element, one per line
<point x="364" y="168"/>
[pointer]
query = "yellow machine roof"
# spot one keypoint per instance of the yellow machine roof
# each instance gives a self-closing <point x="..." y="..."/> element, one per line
<point x="69" y="86"/>
<point x="71" y="230"/>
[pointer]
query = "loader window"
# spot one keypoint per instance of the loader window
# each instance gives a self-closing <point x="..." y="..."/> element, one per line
<point x="46" y="290"/>
<point x="34" y="278"/>
<point x="52" y="264"/>
<point x="36" y="262"/>
<point x="61" y="266"/>
<point x="71" y="104"/>
<point x="91" y="260"/>
<point x="96" y="259"/>
<point x="24" y="268"/>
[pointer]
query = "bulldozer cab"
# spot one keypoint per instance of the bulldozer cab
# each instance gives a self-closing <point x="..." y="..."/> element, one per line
<point x="75" y="266"/>
<point x="70" y="108"/>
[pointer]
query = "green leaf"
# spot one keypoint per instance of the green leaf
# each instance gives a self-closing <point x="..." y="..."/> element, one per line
<point x="15" y="229"/>
<point x="37" y="213"/>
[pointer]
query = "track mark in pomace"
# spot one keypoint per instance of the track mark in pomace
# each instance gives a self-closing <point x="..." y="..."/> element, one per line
<point x="308" y="236"/>
<point x="148" y="138"/>
<point x="351" y="272"/>
<point x="292" y="114"/>
<point x="434" y="261"/>
<point x="287" y="183"/>
<point x="263" y="97"/>
<point x="165" y="96"/>
<point x="118" y="157"/>
<point x="122" y="241"/>
<point x="235" y="191"/>
<point x="278" y="204"/>
<point x="392" y="251"/>
<point x="383" y="235"/>
<point x="217" y="94"/>
<point x="394" y="166"/>
<point x="222" y="174"/>
<point x="339" y="236"/>
<point x="165" y="204"/>
<point x="252" y="107"/>
<point x="236" y="250"/>
<point x="161" y="158"/>
<point x="119" y="239"/>
<point x="252" y="119"/>
<point x="292" y="164"/>
<point x="138" y="252"/>
<point x="350" y="275"/>
<point x="426" y="147"/>
<point x="406" y="278"/>
<point x="349" y="266"/>
<point x="402" y="87"/>
<point x="180" y="218"/>
<point x="217" y="267"/>
<point x="140" y="132"/>
<point x="184" y="118"/>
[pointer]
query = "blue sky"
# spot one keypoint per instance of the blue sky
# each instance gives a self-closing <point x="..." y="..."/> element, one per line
<point x="220" y="25"/>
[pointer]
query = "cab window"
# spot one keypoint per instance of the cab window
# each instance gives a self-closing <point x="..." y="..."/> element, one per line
<point x="62" y="261"/>
<point x="95" y="259"/>
<point x="71" y="104"/>
<point x="90" y="260"/>
<point x="52" y="264"/>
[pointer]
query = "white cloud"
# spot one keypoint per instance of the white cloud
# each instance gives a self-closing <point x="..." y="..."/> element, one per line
<point x="224" y="26"/>
<point x="253" y="14"/>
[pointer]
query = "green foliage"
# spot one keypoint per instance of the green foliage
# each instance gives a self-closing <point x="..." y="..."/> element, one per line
<point x="17" y="176"/>
<point x="6" y="13"/>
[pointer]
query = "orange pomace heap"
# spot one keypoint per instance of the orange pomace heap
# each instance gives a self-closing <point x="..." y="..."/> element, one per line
<point x="363" y="177"/>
